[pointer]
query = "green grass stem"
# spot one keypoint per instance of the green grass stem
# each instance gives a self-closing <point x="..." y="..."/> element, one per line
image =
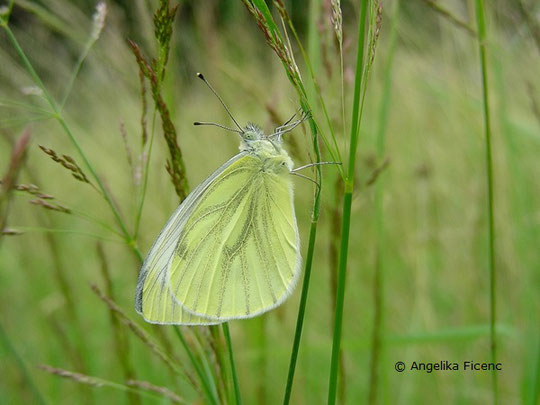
<point x="209" y="393"/>
<point x="307" y="268"/>
<point x="237" y="395"/>
<point x="340" y="298"/>
<point x="200" y="347"/>
<point x="308" y="98"/>
<point x="217" y="350"/>
<point x="482" y="39"/>
<point x="347" y="203"/>
<point x="301" y="313"/>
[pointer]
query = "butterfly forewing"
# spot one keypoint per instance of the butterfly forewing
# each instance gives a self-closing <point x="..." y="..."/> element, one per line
<point x="153" y="298"/>
<point x="238" y="252"/>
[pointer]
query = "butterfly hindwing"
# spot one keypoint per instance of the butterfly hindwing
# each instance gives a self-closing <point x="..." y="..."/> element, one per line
<point x="237" y="254"/>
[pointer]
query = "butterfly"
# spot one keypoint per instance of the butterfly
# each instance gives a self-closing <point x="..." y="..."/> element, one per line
<point x="231" y="249"/>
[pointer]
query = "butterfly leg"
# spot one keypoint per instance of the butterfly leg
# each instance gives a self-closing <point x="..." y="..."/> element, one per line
<point x="306" y="177"/>
<point x="315" y="164"/>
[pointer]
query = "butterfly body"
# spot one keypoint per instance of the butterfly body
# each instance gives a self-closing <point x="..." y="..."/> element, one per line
<point x="231" y="250"/>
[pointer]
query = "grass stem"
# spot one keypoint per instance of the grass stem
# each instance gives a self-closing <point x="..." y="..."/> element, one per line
<point x="227" y="334"/>
<point x="340" y="297"/>
<point x="347" y="203"/>
<point x="301" y="314"/>
<point x="481" y="26"/>
<point x="309" y="262"/>
<point x="205" y="384"/>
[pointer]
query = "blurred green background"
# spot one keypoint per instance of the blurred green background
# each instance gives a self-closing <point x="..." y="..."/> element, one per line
<point x="436" y="281"/>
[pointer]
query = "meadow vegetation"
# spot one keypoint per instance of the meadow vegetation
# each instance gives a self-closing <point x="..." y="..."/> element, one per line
<point x="421" y="246"/>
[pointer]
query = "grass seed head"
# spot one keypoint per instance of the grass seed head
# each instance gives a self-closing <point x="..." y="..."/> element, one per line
<point x="275" y="41"/>
<point x="32" y="189"/>
<point x="80" y="378"/>
<point x="175" y="164"/>
<point x="165" y="392"/>
<point x="98" y="20"/>
<point x="49" y="206"/>
<point x="337" y="20"/>
<point x="67" y="162"/>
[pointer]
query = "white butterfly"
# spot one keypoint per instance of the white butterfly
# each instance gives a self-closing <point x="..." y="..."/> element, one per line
<point x="231" y="249"/>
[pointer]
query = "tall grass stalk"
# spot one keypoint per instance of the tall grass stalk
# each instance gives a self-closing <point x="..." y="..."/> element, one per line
<point x="301" y="313"/>
<point x="237" y="396"/>
<point x="217" y="353"/>
<point x="378" y="279"/>
<point x="482" y="39"/>
<point x="316" y="210"/>
<point x="316" y="201"/>
<point x="359" y="84"/>
<point x="210" y="394"/>
<point x="199" y="346"/>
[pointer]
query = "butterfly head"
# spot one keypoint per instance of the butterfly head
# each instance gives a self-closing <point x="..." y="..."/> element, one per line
<point x="252" y="132"/>
<point x="267" y="148"/>
<point x="255" y="140"/>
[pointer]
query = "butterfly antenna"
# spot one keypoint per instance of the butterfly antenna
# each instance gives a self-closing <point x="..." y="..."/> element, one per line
<point x="288" y="121"/>
<point x="200" y="76"/>
<point x="218" y="125"/>
<point x="289" y="126"/>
